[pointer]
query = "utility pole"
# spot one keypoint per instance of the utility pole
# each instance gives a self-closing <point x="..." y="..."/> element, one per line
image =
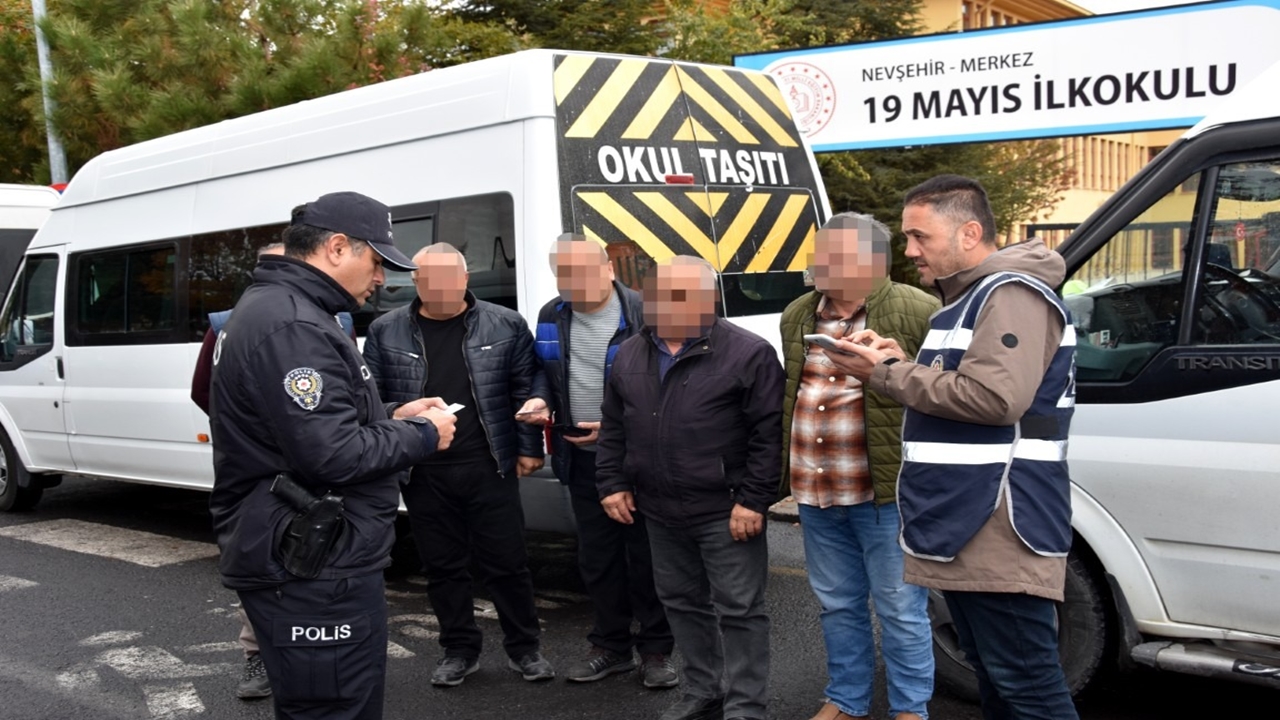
<point x="57" y="157"/>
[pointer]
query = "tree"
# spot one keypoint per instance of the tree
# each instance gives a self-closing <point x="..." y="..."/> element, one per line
<point x="691" y="33"/>
<point x="22" y="143"/>
<point x="131" y="70"/>
<point x="1022" y="179"/>
<point x="621" y="26"/>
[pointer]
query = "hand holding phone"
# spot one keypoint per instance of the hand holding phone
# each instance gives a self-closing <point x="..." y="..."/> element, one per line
<point x="826" y="342"/>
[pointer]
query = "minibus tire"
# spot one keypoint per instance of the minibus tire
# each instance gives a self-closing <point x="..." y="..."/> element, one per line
<point x="1082" y="636"/>
<point x="18" y="490"/>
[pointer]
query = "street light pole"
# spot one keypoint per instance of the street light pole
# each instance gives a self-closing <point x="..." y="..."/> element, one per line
<point x="57" y="157"/>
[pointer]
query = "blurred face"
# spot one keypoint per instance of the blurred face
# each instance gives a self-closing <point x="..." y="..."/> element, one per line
<point x="680" y="301"/>
<point x="584" y="274"/>
<point x="844" y="265"/>
<point x="933" y="243"/>
<point x="440" y="280"/>
<point x="357" y="268"/>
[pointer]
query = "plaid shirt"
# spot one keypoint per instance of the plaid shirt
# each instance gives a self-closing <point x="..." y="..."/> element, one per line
<point x="828" y="430"/>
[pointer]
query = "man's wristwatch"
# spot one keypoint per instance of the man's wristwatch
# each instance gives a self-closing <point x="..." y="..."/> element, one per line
<point x="890" y="360"/>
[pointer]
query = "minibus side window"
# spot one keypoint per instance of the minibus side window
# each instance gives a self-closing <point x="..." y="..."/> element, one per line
<point x="1126" y="299"/>
<point x="124" y="296"/>
<point x="27" y="320"/>
<point x="219" y="268"/>
<point x="481" y="227"/>
<point x="1239" y="303"/>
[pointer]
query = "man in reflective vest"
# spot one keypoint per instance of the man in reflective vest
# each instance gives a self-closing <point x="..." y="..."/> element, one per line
<point x="984" y="492"/>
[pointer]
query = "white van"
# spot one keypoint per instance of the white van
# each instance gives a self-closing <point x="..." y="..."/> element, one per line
<point x="497" y="157"/>
<point x="1174" y="285"/>
<point x="23" y="209"/>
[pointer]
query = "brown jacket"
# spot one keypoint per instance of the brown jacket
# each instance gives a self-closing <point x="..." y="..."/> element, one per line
<point x="994" y="385"/>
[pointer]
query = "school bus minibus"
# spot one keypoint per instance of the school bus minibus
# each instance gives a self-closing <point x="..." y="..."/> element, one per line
<point x="650" y="157"/>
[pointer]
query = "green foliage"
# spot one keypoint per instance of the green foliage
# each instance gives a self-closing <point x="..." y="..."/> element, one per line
<point x="619" y="26"/>
<point x="130" y="70"/>
<point x="21" y="140"/>
<point x="835" y="22"/>
<point x="747" y="26"/>
<point x="1022" y="179"/>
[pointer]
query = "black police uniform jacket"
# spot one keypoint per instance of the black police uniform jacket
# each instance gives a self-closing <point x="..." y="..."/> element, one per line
<point x="498" y="351"/>
<point x="707" y="437"/>
<point x="291" y="393"/>
<point x="552" y="344"/>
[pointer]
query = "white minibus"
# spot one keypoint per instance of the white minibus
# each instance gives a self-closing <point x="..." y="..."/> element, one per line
<point x="23" y="209"/>
<point x="653" y="158"/>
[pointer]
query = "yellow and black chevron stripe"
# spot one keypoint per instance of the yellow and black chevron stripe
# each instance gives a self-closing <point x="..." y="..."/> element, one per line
<point x="641" y="101"/>
<point x="767" y="230"/>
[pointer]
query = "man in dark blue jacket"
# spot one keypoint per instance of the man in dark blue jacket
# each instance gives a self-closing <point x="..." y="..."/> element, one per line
<point x="466" y="502"/>
<point x="691" y="437"/>
<point x="291" y="394"/>
<point x="614" y="559"/>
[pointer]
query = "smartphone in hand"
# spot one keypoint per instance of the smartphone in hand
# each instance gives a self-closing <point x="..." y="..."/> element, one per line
<point x="573" y="431"/>
<point x="826" y="342"/>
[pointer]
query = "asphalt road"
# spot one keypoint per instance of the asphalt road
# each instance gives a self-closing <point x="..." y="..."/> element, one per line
<point x="112" y="608"/>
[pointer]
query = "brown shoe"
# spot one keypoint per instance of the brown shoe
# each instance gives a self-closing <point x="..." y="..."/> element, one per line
<point x="907" y="716"/>
<point x="830" y="712"/>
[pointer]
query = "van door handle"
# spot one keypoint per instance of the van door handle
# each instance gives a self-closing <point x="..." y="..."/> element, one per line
<point x="61" y="374"/>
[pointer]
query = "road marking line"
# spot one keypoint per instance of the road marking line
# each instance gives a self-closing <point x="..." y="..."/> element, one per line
<point x="78" y="678"/>
<point x="398" y="652"/>
<point x="113" y="637"/>
<point x="8" y="582"/>
<point x="417" y="631"/>
<point x="79" y="698"/>
<point x="153" y="663"/>
<point x="178" y="701"/>
<point x="215" y="647"/>
<point x="424" y="619"/>
<point x="141" y="548"/>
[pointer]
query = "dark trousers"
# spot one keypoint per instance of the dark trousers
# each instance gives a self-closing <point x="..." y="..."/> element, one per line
<point x="1011" y="639"/>
<point x="617" y="568"/>
<point x="463" y="512"/>
<point x="713" y="589"/>
<point x="324" y="644"/>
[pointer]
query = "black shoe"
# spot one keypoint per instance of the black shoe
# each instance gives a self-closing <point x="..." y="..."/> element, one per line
<point x="599" y="664"/>
<point x="532" y="667"/>
<point x="696" y="708"/>
<point x="452" y="670"/>
<point x="657" y="671"/>
<point x="253" y="683"/>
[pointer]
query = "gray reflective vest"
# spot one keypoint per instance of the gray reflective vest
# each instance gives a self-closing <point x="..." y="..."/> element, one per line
<point x="955" y="473"/>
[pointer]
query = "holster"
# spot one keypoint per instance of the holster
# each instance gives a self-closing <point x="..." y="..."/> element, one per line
<point x="311" y="534"/>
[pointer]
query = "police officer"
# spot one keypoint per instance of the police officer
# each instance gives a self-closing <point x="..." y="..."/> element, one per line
<point x="292" y="395"/>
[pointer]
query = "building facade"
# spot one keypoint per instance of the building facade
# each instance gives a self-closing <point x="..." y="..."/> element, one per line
<point x="1100" y="163"/>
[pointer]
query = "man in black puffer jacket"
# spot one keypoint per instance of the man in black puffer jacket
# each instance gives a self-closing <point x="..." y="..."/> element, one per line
<point x="466" y="501"/>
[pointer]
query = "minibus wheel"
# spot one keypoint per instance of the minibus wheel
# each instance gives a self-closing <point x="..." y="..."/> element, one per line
<point x="1083" y="635"/>
<point x="13" y="477"/>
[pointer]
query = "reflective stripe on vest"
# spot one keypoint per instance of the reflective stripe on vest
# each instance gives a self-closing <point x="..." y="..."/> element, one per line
<point x="997" y="454"/>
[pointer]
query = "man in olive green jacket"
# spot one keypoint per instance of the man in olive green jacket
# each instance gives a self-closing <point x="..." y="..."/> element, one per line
<point x="842" y="449"/>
